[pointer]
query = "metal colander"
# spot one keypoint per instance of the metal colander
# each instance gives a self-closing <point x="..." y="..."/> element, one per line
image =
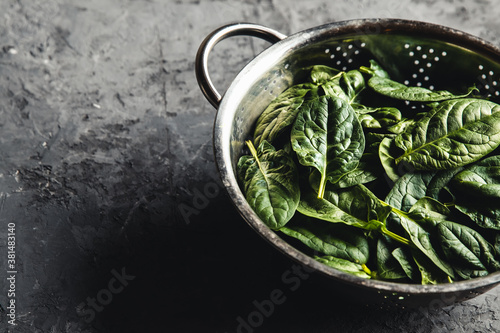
<point x="414" y="53"/>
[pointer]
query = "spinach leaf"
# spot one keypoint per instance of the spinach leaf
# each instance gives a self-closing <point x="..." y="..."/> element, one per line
<point x="334" y="83"/>
<point x="428" y="212"/>
<point x="456" y="133"/>
<point x="482" y="213"/>
<point x="362" y="174"/>
<point x="429" y="273"/>
<point x="481" y="179"/>
<point x="344" y="206"/>
<point x="352" y="82"/>
<point x="381" y="117"/>
<point x="393" y="89"/>
<point x="401" y="126"/>
<point x="333" y="89"/>
<point x="345" y="266"/>
<point x="355" y="206"/>
<point x="327" y="80"/>
<point x="386" y="153"/>
<point x="360" y="202"/>
<point x="373" y="141"/>
<point x="270" y="182"/>
<point x="330" y="239"/>
<point x="407" y="263"/>
<point x="388" y="268"/>
<point x="327" y="136"/>
<point x="422" y="241"/>
<point x="468" y="273"/>
<point x="365" y="172"/>
<point x="282" y="111"/>
<point x="413" y="186"/>
<point x="477" y="192"/>
<point x="408" y="189"/>
<point x="468" y="248"/>
<point x="321" y="74"/>
<point x="375" y="69"/>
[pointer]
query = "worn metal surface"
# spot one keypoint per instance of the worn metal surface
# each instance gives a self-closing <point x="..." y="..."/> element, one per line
<point x="107" y="172"/>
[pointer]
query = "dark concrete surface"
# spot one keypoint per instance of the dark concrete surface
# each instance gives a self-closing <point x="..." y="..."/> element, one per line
<point x="105" y="139"/>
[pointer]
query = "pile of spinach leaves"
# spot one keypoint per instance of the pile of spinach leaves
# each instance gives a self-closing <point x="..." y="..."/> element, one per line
<point x="380" y="179"/>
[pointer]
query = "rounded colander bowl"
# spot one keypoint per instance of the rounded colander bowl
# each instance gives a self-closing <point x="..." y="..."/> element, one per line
<point x="420" y="54"/>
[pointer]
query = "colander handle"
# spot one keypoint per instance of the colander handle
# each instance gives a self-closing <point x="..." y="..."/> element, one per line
<point x="237" y="29"/>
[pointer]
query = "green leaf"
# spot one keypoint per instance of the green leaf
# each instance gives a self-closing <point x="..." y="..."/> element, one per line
<point x="401" y="126"/>
<point x="321" y="74"/>
<point x="327" y="136"/>
<point x="477" y="192"/>
<point x="343" y="265"/>
<point x="352" y="83"/>
<point x="429" y="273"/>
<point x="342" y="136"/>
<point x="388" y="268"/>
<point x="468" y="248"/>
<point x="354" y="212"/>
<point x="456" y="133"/>
<point x="483" y="214"/>
<point x="481" y="179"/>
<point x="333" y="89"/>
<point x="355" y="206"/>
<point x="282" y="111"/>
<point x="271" y="184"/>
<point x="373" y="141"/>
<point x="413" y="186"/>
<point x="381" y="117"/>
<point x="387" y="160"/>
<point x="331" y="239"/>
<point x="422" y="241"/>
<point x="428" y="212"/>
<point x="407" y="263"/>
<point x="374" y="69"/>
<point x="364" y="173"/>
<point x="408" y="189"/>
<point x="337" y="84"/>
<point x="393" y="89"/>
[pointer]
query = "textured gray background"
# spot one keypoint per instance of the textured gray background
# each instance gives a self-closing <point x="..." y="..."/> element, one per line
<point x="104" y="135"/>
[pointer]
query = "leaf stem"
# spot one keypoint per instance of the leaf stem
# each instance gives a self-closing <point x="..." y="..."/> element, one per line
<point x="322" y="186"/>
<point x="380" y="226"/>
<point x="391" y="234"/>
<point x="395" y="210"/>
<point x="396" y="237"/>
<point x="366" y="70"/>
<point x="366" y="269"/>
<point x="253" y="151"/>
<point x="339" y="74"/>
